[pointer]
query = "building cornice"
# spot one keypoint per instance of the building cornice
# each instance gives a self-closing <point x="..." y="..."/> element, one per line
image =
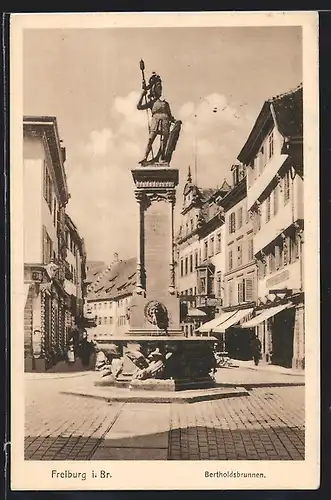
<point x="46" y="126"/>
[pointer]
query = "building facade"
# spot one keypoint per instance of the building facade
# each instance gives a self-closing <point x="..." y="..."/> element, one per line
<point x="273" y="157"/>
<point x="240" y="268"/>
<point x="75" y="274"/>
<point x="200" y="255"/>
<point x="109" y="297"/>
<point x="46" y="318"/>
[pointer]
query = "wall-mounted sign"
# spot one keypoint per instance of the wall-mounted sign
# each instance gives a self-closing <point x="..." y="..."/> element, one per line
<point x="275" y="280"/>
<point x="36" y="343"/>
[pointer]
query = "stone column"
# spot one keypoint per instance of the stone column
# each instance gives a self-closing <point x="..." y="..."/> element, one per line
<point x="171" y="196"/>
<point x="139" y="285"/>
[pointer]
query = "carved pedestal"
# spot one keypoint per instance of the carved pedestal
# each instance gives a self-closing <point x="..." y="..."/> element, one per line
<point x="156" y="196"/>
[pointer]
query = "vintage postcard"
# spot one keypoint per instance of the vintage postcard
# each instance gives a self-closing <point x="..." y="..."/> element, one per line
<point x="164" y="251"/>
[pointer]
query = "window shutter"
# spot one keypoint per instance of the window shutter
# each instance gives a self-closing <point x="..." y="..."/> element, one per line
<point x="45" y="181"/>
<point x="249" y="289"/>
<point x="44" y="246"/>
<point x="240" y="292"/>
<point x="286" y="252"/>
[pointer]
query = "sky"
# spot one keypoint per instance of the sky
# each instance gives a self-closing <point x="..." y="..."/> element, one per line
<point x="215" y="80"/>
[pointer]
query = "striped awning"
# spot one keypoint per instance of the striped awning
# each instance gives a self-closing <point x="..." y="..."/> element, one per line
<point x="195" y="313"/>
<point x="265" y="314"/>
<point x="212" y="324"/>
<point x="233" y="320"/>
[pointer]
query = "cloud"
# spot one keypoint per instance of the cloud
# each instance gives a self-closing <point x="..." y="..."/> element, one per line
<point x="99" y="142"/>
<point x="102" y="202"/>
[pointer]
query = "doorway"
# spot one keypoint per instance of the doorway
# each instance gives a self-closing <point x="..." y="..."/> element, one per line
<point x="282" y="338"/>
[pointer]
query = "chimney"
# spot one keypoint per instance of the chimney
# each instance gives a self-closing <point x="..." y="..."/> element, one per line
<point x="115" y="258"/>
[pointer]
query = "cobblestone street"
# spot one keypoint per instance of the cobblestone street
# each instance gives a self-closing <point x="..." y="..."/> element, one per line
<point x="266" y="425"/>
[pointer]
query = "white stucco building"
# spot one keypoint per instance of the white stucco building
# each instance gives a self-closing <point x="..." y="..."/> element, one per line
<point x="273" y="156"/>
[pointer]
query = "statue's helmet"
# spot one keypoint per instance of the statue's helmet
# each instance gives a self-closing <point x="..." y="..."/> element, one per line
<point x="155" y="84"/>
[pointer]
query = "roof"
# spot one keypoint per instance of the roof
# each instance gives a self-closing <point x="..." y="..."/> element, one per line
<point x="94" y="268"/>
<point x="286" y="111"/>
<point x="289" y="113"/>
<point x="115" y="281"/>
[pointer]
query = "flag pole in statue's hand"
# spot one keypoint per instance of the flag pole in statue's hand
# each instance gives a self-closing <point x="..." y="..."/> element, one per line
<point x="142" y="68"/>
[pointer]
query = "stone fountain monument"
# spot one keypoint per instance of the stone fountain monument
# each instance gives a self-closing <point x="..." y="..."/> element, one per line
<point x="155" y="354"/>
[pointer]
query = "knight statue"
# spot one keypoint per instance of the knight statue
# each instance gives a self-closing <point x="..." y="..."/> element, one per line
<point x="162" y="124"/>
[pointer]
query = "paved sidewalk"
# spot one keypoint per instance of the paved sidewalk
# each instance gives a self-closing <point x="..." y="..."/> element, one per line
<point x="266" y="425"/>
<point x="269" y="368"/>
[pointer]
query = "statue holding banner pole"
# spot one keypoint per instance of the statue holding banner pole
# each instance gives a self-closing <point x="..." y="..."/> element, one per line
<point x="162" y="124"/>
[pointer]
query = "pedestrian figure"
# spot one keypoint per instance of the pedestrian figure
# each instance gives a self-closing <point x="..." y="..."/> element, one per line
<point x="71" y="351"/>
<point x="256" y="349"/>
<point x="86" y="348"/>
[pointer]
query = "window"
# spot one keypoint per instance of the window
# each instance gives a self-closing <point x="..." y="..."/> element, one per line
<point x="232" y="223"/>
<point x="47" y="247"/>
<point x="276" y="200"/>
<point x="202" y="286"/>
<point x="186" y="266"/>
<point x="245" y="290"/>
<point x="286" y="187"/>
<point x="260" y="269"/>
<point x="293" y="249"/>
<point x="99" y="320"/>
<point x="271" y="145"/>
<point x="262" y="159"/>
<point x="278" y="256"/>
<point x="219" y="284"/>
<point x="196" y="259"/>
<point x="250" y="250"/>
<point x="241" y="291"/>
<point x="191" y="263"/>
<point x="192" y="224"/>
<point x="271" y="258"/>
<point x="54" y="212"/>
<point x="105" y="320"/>
<point x="240" y="217"/>
<point x="47" y="187"/>
<point x="99" y="305"/>
<point x="268" y="209"/>
<point x="218" y="242"/>
<point x="230" y="260"/>
<point x="239" y="255"/>
<point x="110" y="320"/>
<point x="182" y="267"/>
<point x="230" y="293"/>
<point x="249" y="289"/>
<point x="205" y="252"/>
<point x="258" y="220"/>
<point x="95" y="305"/>
<point x="211" y="249"/>
<point x="286" y="252"/>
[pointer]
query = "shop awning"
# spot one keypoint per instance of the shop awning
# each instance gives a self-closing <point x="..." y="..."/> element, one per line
<point x="26" y="292"/>
<point x="233" y="320"/>
<point x="195" y="313"/>
<point x="267" y="313"/>
<point x="212" y="324"/>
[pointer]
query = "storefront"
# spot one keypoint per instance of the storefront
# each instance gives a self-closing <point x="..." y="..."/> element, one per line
<point x="280" y="329"/>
